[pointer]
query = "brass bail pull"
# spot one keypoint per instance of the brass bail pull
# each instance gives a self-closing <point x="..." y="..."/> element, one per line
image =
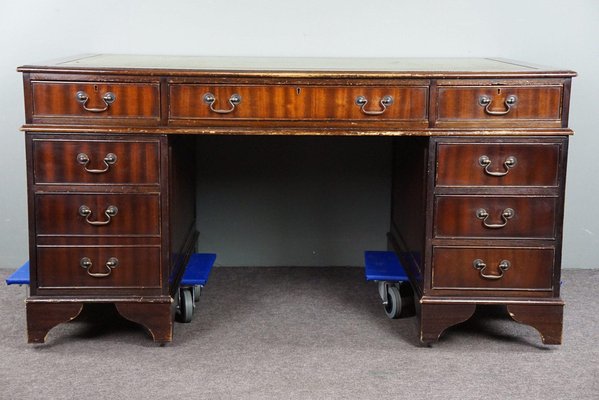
<point x="86" y="264"/>
<point x="506" y="215"/>
<point x="210" y="99"/>
<point x="480" y="265"/>
<point x="86" y="212"/>
<point x="509" y="163"/>
<point x="109" y="160"/>
<point x="385" y="102"/>
<point x="108" y="98"/>
<point x="485" y="101"/>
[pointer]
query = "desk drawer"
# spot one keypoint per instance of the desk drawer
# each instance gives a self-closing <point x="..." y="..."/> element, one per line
<point x="495" y="217"/>
<point x="98" y="267"/>
<point x="499" y="106"/>
<point x="96" y="102"/>
<point x="491" y="268"/>
<point x="498" y="164"/>
<point x="95" y="161"/>
<point x="290" y="102"/>
<point x="63" y="214"/>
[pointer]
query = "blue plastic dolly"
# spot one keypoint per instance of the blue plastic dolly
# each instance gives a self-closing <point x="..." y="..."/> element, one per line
<point x="20" y="276"/>
<point x="393" y="283"/>
<point x="194" y="278"/>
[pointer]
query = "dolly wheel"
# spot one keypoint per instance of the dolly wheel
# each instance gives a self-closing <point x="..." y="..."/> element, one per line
<point x="197" y="290"/>
<point x="186" y="305"/>
<point x="175" y="307"/>
<point x="393" y="306"/>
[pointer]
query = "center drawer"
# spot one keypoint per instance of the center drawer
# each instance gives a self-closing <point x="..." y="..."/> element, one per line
<point x="64" y="214"/>
<point x="94" y="267"/>
<point x="290" y="102"/>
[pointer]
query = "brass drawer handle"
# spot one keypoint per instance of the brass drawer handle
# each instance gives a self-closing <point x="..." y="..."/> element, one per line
<point x="82" y="98"/>
<point x="509" y="163"/>
<point x="210" y="99"/>
<point x="507" y="214"/>
<point x="86" y="212"/>
<point x="485" y="101"/>
<point x="480" y="265"/>
<point x="111" y="264"/>
<point x="386" y="101"/>
<point x="109" y="160"/>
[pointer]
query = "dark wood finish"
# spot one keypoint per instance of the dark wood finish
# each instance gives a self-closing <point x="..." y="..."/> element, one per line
<point x="530" y="269"/>
<point x="41" y="317"/>
<point x="540" y="104"/>
<point x="141" y="184"/>
<point x="157" y="318"/>
<point x="297" y="102"/>
<point x="182" y="218"/>
<point x="566" y="103"/>
<point x="545" y="318"/>
<point x="135" y="103"/>
<point x="533" y="217"/>
<point x="138" y="214"/>
<point x="55" y="160"/>
<point x="536" y="164"/>
<point x="59" y="267"/>
<point x="441" y="236"/>
<point x="439" y="183"/>
<point x="407" y="232"/>
<point x="436" y="318"/>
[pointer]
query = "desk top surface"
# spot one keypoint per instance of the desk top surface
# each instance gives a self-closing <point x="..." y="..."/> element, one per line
<point x="270" y="66"/>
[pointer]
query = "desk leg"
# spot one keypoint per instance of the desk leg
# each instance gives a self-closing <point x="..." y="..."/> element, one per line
<point x="436" y="318"/>
<point x="43" y="316"/>
<point x="545" y="318"/>
<point x="155" y="317"/>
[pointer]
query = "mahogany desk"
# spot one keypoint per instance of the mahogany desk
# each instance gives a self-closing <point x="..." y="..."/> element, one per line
<point x="480" y="149"/>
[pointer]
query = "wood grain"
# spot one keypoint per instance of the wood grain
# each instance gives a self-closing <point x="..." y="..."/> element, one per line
<point x="135" y="103"/>
<point x="55" y="160"/>
<point x="440" y="132"/>
<point x="530" y="269"/>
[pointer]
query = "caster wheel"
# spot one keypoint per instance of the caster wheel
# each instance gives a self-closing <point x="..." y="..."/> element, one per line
<point x="175" y="305"/>
<point x="196" y="293"/>
<point x="393" y="306"/>
<point x="185" y="306"/>
<point x="408" y="307"/>
<point x="382" y="290"/>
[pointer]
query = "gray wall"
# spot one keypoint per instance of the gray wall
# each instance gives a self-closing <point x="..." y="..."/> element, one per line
<point x="558" y="33"/>
<point x="305" y="201"/>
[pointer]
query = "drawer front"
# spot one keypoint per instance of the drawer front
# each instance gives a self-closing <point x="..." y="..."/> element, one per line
<point x="493" y="268"/>
<point x="101" y="101"/>
<point x="65" y="214"/>
<point x="286" y="102"/>
<point x="95" y="162"/>
<point x="505" y="105"/>
<point x="498" y="164"/>
<point x="495" y="217"/>
<point x="98" y="267"/>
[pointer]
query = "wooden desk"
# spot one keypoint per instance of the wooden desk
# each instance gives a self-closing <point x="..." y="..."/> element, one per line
<point x="480" y="149"/>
